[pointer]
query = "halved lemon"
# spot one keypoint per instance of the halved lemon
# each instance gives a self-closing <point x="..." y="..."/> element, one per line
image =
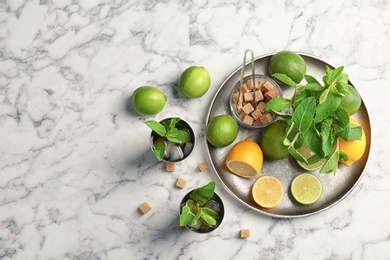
<point x="245" y="159"/>
<point x="268" y="191"/>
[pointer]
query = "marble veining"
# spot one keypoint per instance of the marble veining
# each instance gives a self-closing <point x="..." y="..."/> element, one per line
<point x="76" y="161"/>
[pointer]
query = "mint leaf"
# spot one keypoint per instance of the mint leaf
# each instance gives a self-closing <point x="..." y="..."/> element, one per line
<point x="328" y="140"/>
<point x="156" y="127"/>
<point x="294" y="153"/>
<point x="341" y="88"/>
<point x="173" y="122"/>
<point x="355" y="132"/>
<point x="342" y="118"/>
<point x="285" y="79"/>
<point x="323" y="96"/>
<point x="209" y="216"/>
<point x="343" y="155"/>
<point x="304" y="113"/>
<point x="203" y="194"/>
<point x="188" y="212"/>
<point x="289" y="132"/>
<point x="310" y="79"/>
<point x="343" y="78"/>
<point x="332" y="75"/>
<point x="312" y="87"/>
<point x="331" y="163"/>
<point x="159" y="147"/>
<point x="178" y="136"/>
<point x="327" y="108"/>
<point x="282" y="115"/>
<point x="196" y="217"/>
<point x="301" y="96"/>
<point x="351" y="132"/>
<point x="313" y="141"/>
<point x="278" y="104"/>
<point x="314" y="159"/>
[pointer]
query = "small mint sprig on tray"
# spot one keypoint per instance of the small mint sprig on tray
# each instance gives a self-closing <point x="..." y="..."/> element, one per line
<point x="194" y="208"/>
<point x="167" y="131"/>
<point x="315" y="117"/>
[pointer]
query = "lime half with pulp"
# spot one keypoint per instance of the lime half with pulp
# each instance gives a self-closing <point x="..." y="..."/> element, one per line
<point x="307" y="153"/>
<point x="306" y="188"/>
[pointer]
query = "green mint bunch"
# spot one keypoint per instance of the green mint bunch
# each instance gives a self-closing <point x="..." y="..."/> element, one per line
<point x="315" y="117"/>
<point x="194" y="208"/>
<point x="167" y="131"/>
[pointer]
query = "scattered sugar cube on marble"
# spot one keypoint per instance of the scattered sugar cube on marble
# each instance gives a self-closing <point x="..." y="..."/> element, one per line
<point x="170" y="167"/>
<point x="245" y="233"/>
<point x="145" y="207"/>
<point x="202" y="167"/>
<point x="181" y="183"/>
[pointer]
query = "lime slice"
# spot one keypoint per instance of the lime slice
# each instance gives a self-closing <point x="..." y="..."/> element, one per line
<point x="307" y="153"/>
<point x="306" y="188"/>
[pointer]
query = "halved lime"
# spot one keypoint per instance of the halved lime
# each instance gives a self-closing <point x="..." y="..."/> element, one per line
<point x="306" y="188"/>
<point x="307" y="153"/>
<point x="311" y="167"/>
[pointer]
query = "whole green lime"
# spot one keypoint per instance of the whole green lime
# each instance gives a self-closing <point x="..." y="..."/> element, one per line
<point x="147" y="100"/>
<point x="194" y="82"/>
<point x="271" y="142"/>
<point x="351" y="101"/>
<point x="222" y="130"/>
<point x="288" y="63"/>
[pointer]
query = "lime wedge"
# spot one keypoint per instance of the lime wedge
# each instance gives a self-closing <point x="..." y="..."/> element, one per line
<point x="307" y="153"/>
<point x="311" y="167"/>
<point x="306" y="188"/>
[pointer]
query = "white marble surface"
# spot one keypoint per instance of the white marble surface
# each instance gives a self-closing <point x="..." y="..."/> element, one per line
<point x="75" y="164"/>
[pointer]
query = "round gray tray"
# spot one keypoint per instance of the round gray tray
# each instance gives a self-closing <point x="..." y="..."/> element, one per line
<point x="335" y="187"/>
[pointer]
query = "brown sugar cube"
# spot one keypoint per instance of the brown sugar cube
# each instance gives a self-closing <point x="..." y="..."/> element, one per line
<point x="241" y="115"/>
<point x="259" y="95"/>
<point x="261" y="107"/>
<point x="257" y="84"/>
<point x="257" y="122"/>
<point x="248" y="96"/>
<point x="256" y="114"/>
<point x="170" y="167"/>
<point x="266" y="118"/>
<point x="267" y="86"/>
<point x="202" y="167"/>
<point x="145" y="207"/>
<point x="244" y="88"/>
<point x="250" y="85"/>
<point x="248" y="108"/>
<point x="237" y="109"/>
<point x="181" y="183"/>
<point x="235" y="97"/>
<point x="238" y="97"/>
<point x="245" y="233"/>
<point x="271" y="94"/>
<point x="248" y="120"/>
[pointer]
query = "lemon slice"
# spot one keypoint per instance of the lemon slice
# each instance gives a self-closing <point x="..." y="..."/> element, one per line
<point x="268" y="191"/>
<point x="306" y="188"/>
<point x="245" y="159"/>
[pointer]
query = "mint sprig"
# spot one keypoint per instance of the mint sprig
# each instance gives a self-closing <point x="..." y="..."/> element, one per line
<point x="317" y="119"/>
<point x="167" y="131"/>
<point x="194" y="208"/>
